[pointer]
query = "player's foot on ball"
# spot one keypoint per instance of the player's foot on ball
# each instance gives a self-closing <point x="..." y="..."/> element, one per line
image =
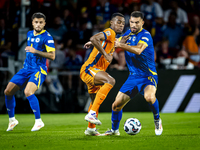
<point x="12" y="124"/>
<point x="158" y="127"/>
<point x="92" y="119"/>
<point x="38" y="125"/>
<point x="111" y="132"/>
<point x="92" y="133"/>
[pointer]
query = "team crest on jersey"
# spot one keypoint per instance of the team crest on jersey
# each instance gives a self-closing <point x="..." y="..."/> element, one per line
<point x="37" y="40"/>
<point x="108" y="33"/>
<point x="134" y="38"/>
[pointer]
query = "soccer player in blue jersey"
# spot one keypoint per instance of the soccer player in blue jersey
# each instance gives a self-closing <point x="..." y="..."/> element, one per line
<point x="40" y="46"/>
<point x="139" y="54"/>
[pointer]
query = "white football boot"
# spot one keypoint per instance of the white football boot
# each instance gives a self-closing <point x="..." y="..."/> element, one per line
<point x="12" y="124"/>
<point x="111" y="132"/>
<point x="92" y="119"/>
<point x="38" y="125"/>
<point x="92" y="133"/>
<point x="158" y="127"/>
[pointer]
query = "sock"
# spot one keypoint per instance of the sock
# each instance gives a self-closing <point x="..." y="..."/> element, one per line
<point x="91" y="125"/>
<point x="10" y="105"/>
<point x="100" y="96"/>
<point x="34" y="104"/>
<point x="155" y="109"/>
<point x="116" y="118"/>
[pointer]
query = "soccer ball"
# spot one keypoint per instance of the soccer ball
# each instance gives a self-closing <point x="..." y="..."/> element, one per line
<point x="132" y="126"/>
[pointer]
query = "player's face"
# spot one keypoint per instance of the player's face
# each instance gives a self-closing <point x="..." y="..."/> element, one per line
<point x="136" y="24"/>
<point x="117" y="24"/>
<point x="38" y="24"/>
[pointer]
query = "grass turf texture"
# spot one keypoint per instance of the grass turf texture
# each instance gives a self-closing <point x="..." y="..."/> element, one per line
<point x="66" y="131"/>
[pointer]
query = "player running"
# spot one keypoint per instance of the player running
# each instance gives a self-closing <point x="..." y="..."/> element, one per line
<point x="40" y="45"/>
<point x="139" y="53"/>
<point x="99" y="83"/>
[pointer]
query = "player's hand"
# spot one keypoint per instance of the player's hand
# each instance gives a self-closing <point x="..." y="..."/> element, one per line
<point x="30" y="49"/>
<point x="117" y="43"/>
<point x="88" y="45"/>
<point x="124" y="39"/>
<point x="108" y="57"/>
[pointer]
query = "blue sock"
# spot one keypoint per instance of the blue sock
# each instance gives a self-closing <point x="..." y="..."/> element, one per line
<point x="10" y="105"/>
<point x="116" y="118"/>
<point x="155" y="109"/>
<point x="33" y="101"/>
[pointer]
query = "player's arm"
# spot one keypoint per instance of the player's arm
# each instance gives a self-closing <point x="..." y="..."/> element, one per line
<point x="138" y="49"/>
<point x="49" y="55"/>
<point x="96" y="42"/>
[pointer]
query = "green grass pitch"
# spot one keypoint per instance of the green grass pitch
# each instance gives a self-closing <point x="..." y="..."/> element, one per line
<point x="66" y="131"/>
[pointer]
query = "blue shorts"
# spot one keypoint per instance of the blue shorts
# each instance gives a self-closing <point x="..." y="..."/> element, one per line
<point x="135" y="84"/>
<point x="24" y="76"/>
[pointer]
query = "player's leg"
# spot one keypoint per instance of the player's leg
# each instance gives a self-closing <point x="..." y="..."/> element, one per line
<point x="34" y="104"/>
<point x="149" y="95"/>
<point x="107" y="82"/>
<point x="9" y="92"/>
<point x="120" y="101"/>
<point x="91" y="129"/>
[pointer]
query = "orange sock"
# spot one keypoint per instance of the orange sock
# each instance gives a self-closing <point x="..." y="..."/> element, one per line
<point x="91" y="125"/>
<point x="100" y="96"/>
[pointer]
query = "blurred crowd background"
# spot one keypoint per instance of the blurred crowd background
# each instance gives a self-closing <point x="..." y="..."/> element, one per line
<point x="173" y="24"/>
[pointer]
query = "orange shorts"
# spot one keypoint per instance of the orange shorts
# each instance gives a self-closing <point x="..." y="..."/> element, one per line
<point x="87" y="76"/>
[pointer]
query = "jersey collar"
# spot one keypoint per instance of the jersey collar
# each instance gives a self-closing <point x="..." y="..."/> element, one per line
<point x="38" y="33"/>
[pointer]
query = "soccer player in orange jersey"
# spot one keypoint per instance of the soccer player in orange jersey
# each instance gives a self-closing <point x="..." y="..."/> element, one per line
<point x="93" y="71"/>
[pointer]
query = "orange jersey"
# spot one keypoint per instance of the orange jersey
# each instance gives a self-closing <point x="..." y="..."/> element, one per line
<point x="96" y="59"/>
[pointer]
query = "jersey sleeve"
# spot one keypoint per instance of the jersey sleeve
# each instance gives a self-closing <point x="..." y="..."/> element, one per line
<point x="49" y="43"/>
<point x="109" y="35"/>
<point x="28" y="39"/>
<point x="145" y="38"/>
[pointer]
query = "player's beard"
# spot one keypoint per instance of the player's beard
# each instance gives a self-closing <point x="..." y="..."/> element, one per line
<point x="135" y="30"/>
<point x="38" y="31"/>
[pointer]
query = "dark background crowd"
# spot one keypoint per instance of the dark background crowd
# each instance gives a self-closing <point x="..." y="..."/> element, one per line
<point x="173" y="24"/>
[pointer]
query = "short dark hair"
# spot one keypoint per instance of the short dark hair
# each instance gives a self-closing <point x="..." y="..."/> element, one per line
<point x="38" y="15"/>
<point x="116" y="14"/>
<point x="137" y="14"/>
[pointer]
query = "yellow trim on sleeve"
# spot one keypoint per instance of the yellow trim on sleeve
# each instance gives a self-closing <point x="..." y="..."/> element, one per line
<point x="49" y="49"/>
<point x="143" y="42"/>
<point x="152" y="80"/>
<point x="120" y="38"/>
<point x="154" y="73"/>
<point x="32" y="45"/>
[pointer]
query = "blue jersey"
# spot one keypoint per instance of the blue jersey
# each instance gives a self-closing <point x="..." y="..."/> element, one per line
<point x="41" y="42"/>
<point x="144" y="63"/>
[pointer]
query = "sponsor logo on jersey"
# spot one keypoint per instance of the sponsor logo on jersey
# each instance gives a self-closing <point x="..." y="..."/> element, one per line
<point x="37" y="40"/>
<point x="32" y="39"/>
<point x="108" y="33"/>
<point x="50" y="41"/>
<point x="145" y="38"/>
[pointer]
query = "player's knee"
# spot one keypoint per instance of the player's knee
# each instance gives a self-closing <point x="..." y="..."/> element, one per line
<point x="115" y="107"/>
<point x="111" y="81"/>
<point x="150" y="98"/>
<point x="27" y="93"/>
<point x="7" y="92"/>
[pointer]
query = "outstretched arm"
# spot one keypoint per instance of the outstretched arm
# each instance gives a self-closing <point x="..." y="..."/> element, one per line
<point x="48" y="55"/>
<point x="138" y="49"/>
